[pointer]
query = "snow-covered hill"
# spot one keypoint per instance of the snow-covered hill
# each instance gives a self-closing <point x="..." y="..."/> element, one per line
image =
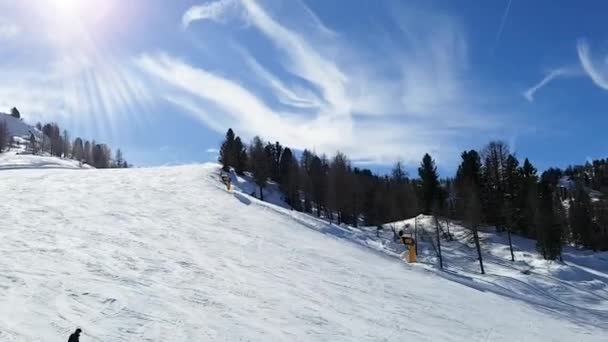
<point x="167" y="254"/>
<point x="19" y="158"/>
<point x="18" y="127"/>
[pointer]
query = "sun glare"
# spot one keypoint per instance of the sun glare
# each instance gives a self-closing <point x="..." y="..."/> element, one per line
<point x="69" y="8"/>
<point x="71" y="21"/>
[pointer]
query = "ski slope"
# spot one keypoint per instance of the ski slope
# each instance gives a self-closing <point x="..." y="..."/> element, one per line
<point x="167" y="254"/>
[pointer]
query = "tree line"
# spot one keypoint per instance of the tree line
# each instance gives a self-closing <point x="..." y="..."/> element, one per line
<point x="51" y="139"/>
<point x="491" y="188"/>
<point x="57" y="143"/>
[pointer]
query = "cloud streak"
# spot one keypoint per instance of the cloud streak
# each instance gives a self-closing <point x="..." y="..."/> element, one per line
<point x="320" y="92"/>
<point x="211" y="11"/>
<point x="597" y="73"/>
<point x="551" y="75"/>
<point x="502" y="24"/>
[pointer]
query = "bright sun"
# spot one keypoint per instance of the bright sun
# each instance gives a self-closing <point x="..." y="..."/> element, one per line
<point x="73" y="20"/>
<point x="70" y="8"/>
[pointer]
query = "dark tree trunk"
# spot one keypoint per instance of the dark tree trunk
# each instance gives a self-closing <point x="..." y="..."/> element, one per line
<point x="510" y="244"/>
<point x="438" y="243"/>
<point x="476" y="237"/>
<point x="416" y="234"/>
<point x="261" y="193"/>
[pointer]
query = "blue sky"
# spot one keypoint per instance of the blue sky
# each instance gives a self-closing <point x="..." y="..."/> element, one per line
<point x="379" y="80"/>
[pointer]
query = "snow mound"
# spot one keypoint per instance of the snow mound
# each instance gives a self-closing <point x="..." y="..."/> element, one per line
<point x="168" y="254"/>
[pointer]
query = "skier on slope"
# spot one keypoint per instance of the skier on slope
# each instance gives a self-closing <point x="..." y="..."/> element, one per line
<point x="75" y="337"/>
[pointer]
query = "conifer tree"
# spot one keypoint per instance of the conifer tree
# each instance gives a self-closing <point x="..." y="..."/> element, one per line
<point x="240" y="155"/>
<point x="227" y="151"/>
<point x="4" y="136"/>
<point x="429" y="183"/>
<point x="580" y="219"/>
<point x="260" y="165"/>
<point x="15" y="113"/>
<point x="512" y="183"/>
<point x="549" y="232"/>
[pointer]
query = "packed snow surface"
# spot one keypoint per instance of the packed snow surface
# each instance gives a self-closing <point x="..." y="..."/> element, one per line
<point x="167" y="254"/>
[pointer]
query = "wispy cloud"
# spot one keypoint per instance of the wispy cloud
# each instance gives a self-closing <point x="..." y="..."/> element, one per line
<point x="551" y="75"/>
<point x="598" y="72"/>
<point x="296" y="97"/>
<point x="215" y="10"/>
<point x="502" y="24"/>
<point x="334" y="95"/>
<point x="212" y="150"/>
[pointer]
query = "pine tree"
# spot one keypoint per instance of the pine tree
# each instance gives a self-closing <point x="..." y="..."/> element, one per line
<point x="101" y="155"/>
<point x="468" y="176"/>
<point x="305" y="179"/>
<point x="495" y="156"/>
<point x="527" y="200"/>
<point x="473" y="217"/>
<point x="580" y="219"/>
<point x="404" y="203"/>
<point x="227" y="151"/>
<point x="260" y="165"/>
<point x="15" y="113"/>
<point x="66" y="148"/>
<point x="240" y="155"/>
<point x="512" y="183"/>
<point x="118" y="159"/>
<point x="275" y="153"/>
<point x="318" y="179"/>
<point x="33" y="145"/>
<point x="88" y="152"/>
<point x="78" y="150"/>
<point x="337" y="181"/>
<point x="4" y="136"/>
<point x="429" y="182"/>
<point x="288" y="178"/>
<point x="549" y="242"/>
<point x="293" y="183"/>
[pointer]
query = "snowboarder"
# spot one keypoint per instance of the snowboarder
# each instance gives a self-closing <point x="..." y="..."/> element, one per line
<point x="75" y="337"/>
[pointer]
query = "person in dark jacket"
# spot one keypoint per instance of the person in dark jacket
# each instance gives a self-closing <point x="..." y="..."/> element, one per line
<point x="75" y="337"/>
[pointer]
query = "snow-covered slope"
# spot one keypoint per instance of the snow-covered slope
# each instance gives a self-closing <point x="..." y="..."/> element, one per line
<point x="167" y="254"/>
<point x="19" y="158"/>
<point x="17" y="127"/>
<point x="14" y="160"/>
